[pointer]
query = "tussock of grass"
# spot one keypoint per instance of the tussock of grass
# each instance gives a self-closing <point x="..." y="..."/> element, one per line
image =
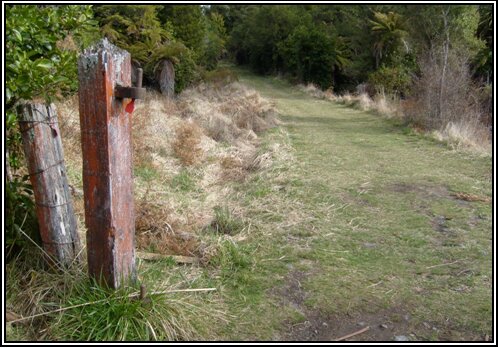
<point x="466" y="135"/>
<point x="381" y="104"/>
<point x="119" y="316"/>
<point x="230" y="258"/>
<point x="93" y="313"/>
<point x="230" y="114"/>
<point x="186" y="144"/>
<point x="225" y="221"/>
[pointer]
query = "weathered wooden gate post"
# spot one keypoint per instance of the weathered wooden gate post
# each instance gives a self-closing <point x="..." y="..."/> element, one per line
<point x="54" y="208"/>
<point x="107" y="163"/>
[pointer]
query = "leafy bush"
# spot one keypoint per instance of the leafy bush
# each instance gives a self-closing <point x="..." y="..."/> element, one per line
<point x="391" y="80"/>
<point x="137" y="29"/>
<point x="40" y="60"/>
<point x="188" y="24"/>
<point x="20" y="215"/>
<point x="255" y="39"/>
<point x="214" y="46"/>
<point x="311" y="55"/>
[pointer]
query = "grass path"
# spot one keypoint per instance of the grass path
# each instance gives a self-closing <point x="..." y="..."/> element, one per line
<point x="366" y="227"/>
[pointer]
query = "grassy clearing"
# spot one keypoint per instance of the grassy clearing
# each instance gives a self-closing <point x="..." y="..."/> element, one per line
<point x="468" y="135"/>
<point x="336" y="220"/>
<point x="367" y="222"/>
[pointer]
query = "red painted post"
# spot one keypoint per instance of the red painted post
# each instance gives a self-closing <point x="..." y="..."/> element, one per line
<point x="107" y="164"/>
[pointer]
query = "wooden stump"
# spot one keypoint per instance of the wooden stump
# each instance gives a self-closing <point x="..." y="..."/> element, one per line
<point x="134" y="72"/>
<point x="107" y="164"/>
<point x="166" y="78"/>
<point x="47" y="172"/>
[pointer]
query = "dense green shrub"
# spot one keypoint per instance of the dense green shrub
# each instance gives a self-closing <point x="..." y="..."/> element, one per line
<point x="391" y="80"/>
<point x="40" y="60"/>
<point x="215" y="41"/>
<point x="186" y="70"/>
<point x="256" y="38"/>
<point x="311" y="55"/>
<point x="187" y="23"/>
<point x="137" y="29"/>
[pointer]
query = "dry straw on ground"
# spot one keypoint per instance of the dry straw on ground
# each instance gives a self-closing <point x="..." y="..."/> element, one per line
<point x="185" y="151"/>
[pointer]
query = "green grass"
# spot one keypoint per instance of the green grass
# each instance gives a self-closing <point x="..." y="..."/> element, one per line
<point x="183" y="181"/>
<point x="115" y="315"/>
<point x="359" y="206"/>
<point x="225" y="221"/>
<point x="146" y="173"/>
<point x="78" y="309"/>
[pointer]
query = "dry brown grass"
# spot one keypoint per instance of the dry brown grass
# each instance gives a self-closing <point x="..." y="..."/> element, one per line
<point x="208" y="136"/>
<point x="381" y="104"/>
<point x="468" y="134"/>
<point x="316" y="92"/>
<point x="229" y="114"/>
<point x="471" y="197"/>
<point x="233" y="168"/>
<point x="186" y="145"/>
<point x="220" y="77"/>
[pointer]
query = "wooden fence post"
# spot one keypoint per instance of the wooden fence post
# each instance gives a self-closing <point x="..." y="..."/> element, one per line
<point x="107" y="164"/>
<point x="54" y="208"/>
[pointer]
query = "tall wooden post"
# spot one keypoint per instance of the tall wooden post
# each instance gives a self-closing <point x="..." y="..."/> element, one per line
<point x="107" y="164"/>
<point x="54" y="208"/>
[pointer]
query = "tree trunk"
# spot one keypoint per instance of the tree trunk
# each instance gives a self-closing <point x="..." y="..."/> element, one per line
<point x="166" y="77"/>
<point x="446" y="47"/>
<point x="45" y="157"/>
<point x="8" y="171"/>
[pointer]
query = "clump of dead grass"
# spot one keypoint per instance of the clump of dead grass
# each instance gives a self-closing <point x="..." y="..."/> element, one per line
<point x="159" y="230"/>
<point x="382" y="104"/>
<point x="316" y="92"/>
<point x="186" y="144"/>
<point x="468" y="135"/>
<point x="229" y="114"/>
<point x="186" y="152"/>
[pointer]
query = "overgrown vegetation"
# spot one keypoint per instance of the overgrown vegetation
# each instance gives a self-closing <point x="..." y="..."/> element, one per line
<point x="435" y="56"/>
<point x="183" y="209"/>
<point x="225" y="200"/>
<point x="41" y="48"/>
<point x="192" y="40"/>
<point x="70" y="307"/>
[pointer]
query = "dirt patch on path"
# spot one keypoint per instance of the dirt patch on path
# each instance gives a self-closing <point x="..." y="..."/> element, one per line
<point x="385" y="324"/>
